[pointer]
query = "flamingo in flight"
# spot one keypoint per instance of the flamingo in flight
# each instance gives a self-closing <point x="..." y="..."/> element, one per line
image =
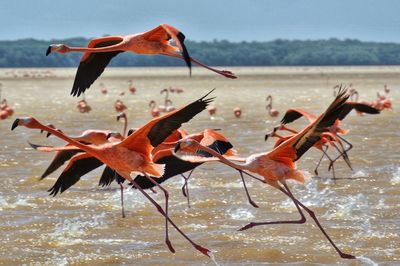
<point x="278" y="165"/>
<point x="133" y="154"/>
<point x="331" y="137"/>
<point x="100" y="51"/>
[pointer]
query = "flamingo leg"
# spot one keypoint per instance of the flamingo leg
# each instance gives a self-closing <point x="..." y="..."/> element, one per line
<point x="196" y="246"/>
<point x="319" y="162"/>
<point x="122" y="195"/>
<point x="185" y="187"/>
<point x="252" y="203"/>
<point x="344" y="151"/>
<point x="298" y="204"/>
<point x="166" y="197"/>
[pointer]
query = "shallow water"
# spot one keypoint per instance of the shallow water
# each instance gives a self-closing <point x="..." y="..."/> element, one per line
<point x="83" y="226"/>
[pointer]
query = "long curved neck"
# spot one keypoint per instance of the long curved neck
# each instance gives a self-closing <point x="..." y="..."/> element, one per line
<point x="112" y="48"/>
<point x="269" y="101"/>
<point x="125" y="126"/>
<point x="71" y="141"/>
<point x="166" y="97"/>
<point x="223" y="159"/>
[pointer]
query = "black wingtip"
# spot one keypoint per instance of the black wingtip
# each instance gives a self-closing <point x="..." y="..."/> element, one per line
<point x="15" y="124"/>
<point x="35" y="146"/>
<point x="48" y="51"/>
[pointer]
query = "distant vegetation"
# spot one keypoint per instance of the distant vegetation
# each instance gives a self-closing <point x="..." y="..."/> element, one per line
<point x="31" y="53"/>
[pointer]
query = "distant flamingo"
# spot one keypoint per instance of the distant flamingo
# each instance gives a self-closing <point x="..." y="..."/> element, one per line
<point x="237" y="112"/>
<point x="131" y="88"/>
<point x="133" y="154"/>
<point x="83" y="106"/>
<point x="103" y="88"/>
<point x="100" y="51"/>
<point x="177" y="90"/>
<point x="272" y="112"/>
<point x="5" y="110"/>
<point x="212" y="110"/>
<point x="278" y="165"/>
<point x="154" y="111"/>
<point x="119" y="106"/>
<point x="169" y="106"/>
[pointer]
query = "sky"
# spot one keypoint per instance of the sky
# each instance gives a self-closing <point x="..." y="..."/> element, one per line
<point x="234" y="20"/>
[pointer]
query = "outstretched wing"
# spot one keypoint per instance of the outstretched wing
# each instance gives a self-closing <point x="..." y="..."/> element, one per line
<point x="294" y="114"/>
<point x="361" y="107"/>
<point x="73" y="174"/>
<point x="158" y="129"/>
<point x="93" y="64"/>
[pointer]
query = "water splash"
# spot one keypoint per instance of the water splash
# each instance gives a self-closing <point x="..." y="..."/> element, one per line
<point x="212" y="257"/>
<point x="367" y="261"/>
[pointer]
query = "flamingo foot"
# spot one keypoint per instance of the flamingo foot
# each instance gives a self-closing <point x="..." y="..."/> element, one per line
<point x="228" y="74"/>
<point x="169" y="245"/>
<point x="202" y="250"/>
<point x="347" y="256"/>
<point x="247" y="226"/>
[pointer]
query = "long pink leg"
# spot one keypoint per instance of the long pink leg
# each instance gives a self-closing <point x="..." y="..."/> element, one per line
<point x="298" y="204"/>
<point x="166" y="196"/>
<point x="185" y="187"/>
<point x="196" y="246"/>
<point x="252" y="203"/>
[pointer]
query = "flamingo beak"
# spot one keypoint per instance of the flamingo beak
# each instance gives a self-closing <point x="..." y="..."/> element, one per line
<point x="130" y="131"/>
<point x="48" y="51"/>
<point x="15" y="124"/>
<point x="177" y="147"/>
<point x="185" y="53"/>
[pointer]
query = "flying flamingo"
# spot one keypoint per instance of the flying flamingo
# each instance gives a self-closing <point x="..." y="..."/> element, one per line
<point x="272" y="112"/>
<point x="133" y="154"/>
<point x="278" y="165"/>
<point x="332" y="137"/>
<point x="155" y="111"/>
<point x="100" y="51"/>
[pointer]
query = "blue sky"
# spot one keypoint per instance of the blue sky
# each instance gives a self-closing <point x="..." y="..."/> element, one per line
<point x="234" y="20"/>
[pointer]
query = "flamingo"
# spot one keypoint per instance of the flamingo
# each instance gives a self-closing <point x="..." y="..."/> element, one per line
<point x="133" y="154"/>
<point x="169" y="106"/>
<point x="5" y="110"/>
<point x="278" y="165"/>
<point x="212" y="110"/>
<point x="103" y="88"/>
<point x="237" y="112"/>
<point x="272" y="112"/>
<point x="100" y="51"/>
<point x="331" y="137"/>
<point x="177" y="90"/>
<point x="155" y="111"/>
<point x="119" y="106"/>
<point x="83" y="106"/>
<point x="131" y="88"/>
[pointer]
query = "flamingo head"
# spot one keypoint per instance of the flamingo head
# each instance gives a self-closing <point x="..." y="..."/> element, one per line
<point x="59" y="48"/>
<point x="23" y="121"/>
<point x="114" y="136"/>
<point x="187" y="145"/>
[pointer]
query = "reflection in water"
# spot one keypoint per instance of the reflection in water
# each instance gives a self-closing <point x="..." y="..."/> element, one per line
<point x="84" y="226"/>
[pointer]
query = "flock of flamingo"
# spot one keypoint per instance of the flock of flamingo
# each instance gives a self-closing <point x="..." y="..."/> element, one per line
<point x="147" y="156"/>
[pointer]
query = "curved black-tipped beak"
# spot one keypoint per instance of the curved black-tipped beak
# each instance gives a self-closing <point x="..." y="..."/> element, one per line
<point x="48" y="51"/>
<point x="266" y="137"/>
<point x="185" y="53"/>
<point x="48" y="134"/>
<point x="130" y="131"/>
<point x="177" y="147"/>
<point x="15" y="124"/>
<point x="109" y="135"/>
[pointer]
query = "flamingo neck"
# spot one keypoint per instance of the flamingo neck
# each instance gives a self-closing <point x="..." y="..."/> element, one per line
<point x="88" y="148"/>
<point x="223" y="159"/>
<point x="111" y="48"/>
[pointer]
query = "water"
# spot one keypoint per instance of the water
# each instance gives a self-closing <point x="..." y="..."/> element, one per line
<point x="83" y="226"/>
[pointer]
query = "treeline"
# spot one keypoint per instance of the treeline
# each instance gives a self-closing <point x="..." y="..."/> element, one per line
<point x="31" y="53"/>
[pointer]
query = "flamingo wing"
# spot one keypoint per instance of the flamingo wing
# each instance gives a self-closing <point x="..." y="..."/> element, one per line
<point x="108" y="176"/>
<point x="93" y="64"/>
<point x="158" y="129"/>
<point x="361" y="107"/>
<point x="164" y="33"/>
<point x="294" y="114"/>
<point x="73" y="174"/>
